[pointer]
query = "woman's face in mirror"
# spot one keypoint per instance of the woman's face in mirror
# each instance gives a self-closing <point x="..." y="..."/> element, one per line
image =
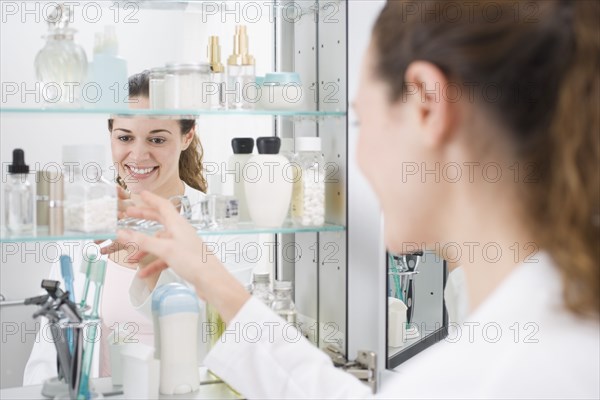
<point x="146" y="152"/>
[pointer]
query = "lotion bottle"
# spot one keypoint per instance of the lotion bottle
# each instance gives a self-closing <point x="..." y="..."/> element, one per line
<point x="268" y="181"/>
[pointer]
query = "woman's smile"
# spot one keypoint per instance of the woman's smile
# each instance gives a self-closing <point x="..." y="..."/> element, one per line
<point x="140" y="173"/>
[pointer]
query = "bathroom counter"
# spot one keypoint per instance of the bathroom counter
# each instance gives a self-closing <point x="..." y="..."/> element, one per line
<point x="207" y="391"/>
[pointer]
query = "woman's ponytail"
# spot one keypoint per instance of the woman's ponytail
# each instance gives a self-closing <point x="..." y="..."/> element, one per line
<point x="573" y="190"/>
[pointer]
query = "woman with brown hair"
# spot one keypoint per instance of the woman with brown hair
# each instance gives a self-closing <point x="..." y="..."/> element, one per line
<point x="437" y="90"/>
<point x="159" y="155"/>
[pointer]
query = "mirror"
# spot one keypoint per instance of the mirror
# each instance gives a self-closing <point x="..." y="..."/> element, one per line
<point x="416" y="311"/>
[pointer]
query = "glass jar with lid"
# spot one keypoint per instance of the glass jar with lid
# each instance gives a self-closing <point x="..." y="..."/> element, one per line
<point x="283" y="305"/>
<point x="157" y="88"/>
<point x="308" y="199"/>
<point x="90" y="203"/>
<point x="260" y="287"/>
<point x="185" y="86"/>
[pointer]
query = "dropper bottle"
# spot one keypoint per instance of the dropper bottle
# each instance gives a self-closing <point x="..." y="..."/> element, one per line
<point x="18" y="196"/>
<point x="241" y="73"/>
<point x="217" y="74"/>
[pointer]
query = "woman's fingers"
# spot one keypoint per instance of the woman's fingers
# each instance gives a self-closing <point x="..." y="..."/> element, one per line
<point x="152" y="268"/>
<point x="123" y="205"/>
<point x="113" y="247"/>
<point x="159" y="247"/>
<point x="165" y="208"/>
<point x="136" y="255"/>
<point x="123" y="194"/>
<point x="144" y="213"/>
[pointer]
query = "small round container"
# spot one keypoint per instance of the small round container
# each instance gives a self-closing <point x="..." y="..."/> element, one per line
<point x="281" y="91"/>
<point x="185" y="86"/>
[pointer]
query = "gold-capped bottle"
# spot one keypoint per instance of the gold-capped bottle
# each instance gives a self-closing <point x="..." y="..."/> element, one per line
<point x="242" y="91"/>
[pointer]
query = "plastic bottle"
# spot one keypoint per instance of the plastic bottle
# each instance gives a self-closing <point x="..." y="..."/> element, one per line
<point x="261" y="289"/>
<point x="242" y="152"/>
<point x="18" y="196"/>
<point x="308" y="200"/>
<point x="283" y="304"/>
<point x="90" y="203"/>
<point x="108" y="72"/>
<point x="178" y="314"/>
<point x="268" y="183"/>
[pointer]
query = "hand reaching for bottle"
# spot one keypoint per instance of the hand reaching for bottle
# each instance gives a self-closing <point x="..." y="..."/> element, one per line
<point x="179" y="247"/>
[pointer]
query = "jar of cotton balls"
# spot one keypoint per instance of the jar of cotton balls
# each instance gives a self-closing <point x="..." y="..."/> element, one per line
<point x="308" y="198"/>
<point x="90" y="201"/>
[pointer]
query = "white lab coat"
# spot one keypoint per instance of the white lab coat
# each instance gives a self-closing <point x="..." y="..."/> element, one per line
<point x="531" y="347"/>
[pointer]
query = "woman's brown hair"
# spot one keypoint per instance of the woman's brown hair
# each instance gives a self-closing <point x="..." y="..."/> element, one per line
<point x="190" y="160"/>
<point x="544" y="59"/>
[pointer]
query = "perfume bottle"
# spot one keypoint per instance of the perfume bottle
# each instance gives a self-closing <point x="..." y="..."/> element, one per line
<point x="241" y="73"/>
<point x="215" y="90"/>
<point x="61" y="65"/>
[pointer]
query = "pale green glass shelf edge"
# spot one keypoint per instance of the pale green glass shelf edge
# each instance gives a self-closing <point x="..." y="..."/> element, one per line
<point x="241" y="229"/>
<point x="132" y="112"/>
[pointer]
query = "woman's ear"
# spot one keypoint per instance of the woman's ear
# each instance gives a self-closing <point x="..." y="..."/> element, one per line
<point x="432" y="110"/>
<point x="188" y="137"/>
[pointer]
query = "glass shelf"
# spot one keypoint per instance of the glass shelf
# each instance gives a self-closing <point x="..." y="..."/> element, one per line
<point x="168" y="113"/>
<point x="245" y="228"/>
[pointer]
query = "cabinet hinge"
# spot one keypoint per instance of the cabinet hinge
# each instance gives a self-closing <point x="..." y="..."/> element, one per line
<point x="364" y="367"/>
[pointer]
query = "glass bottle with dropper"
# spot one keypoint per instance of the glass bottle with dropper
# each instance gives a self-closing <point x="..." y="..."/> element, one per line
<point x="241" y="73"/>
<point x="18" y="196"/>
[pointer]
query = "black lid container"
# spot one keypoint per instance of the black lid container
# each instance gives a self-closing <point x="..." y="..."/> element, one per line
<point x="268" y="145"/>
<point x="242" y="145"/>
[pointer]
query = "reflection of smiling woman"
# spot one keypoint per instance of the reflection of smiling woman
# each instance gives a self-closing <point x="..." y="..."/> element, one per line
<point x="159" y="155"/>
<point x="163" y="156"/>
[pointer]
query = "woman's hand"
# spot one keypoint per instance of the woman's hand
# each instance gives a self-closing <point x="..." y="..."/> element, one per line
<point x="124" y="202"/>
<point x="179" y="247"/>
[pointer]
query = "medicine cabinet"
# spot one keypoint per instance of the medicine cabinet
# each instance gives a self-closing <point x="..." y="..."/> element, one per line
<point x="340" y="270"/>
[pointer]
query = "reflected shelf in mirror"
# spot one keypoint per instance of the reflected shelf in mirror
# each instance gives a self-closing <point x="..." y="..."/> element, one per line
<point x="242" y="228"/>
<point x="170" y="113"/>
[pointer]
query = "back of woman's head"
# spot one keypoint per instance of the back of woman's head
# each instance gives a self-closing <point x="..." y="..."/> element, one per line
<point x="190" y="160"/>
<point x="543" y="58"/>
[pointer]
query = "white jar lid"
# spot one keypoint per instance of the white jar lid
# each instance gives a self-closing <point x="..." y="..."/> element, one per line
<point x="308" y="144"/>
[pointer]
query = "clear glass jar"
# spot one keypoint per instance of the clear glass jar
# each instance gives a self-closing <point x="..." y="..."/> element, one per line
<point x="90" y="202"/>
<point x="157" y="88"/>
<point x="283" y="304"/>
<point x="308" y="198"/>
<point x="61" y="67"/>
<point x="261" y="288"/>
<point x="185" y="86"/>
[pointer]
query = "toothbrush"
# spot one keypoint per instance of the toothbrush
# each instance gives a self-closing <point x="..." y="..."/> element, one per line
<point x="66" y="270"/>
<point x="96" y="276"/>
<point x="398" y="287"/>
<point x="86" y="269"/>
